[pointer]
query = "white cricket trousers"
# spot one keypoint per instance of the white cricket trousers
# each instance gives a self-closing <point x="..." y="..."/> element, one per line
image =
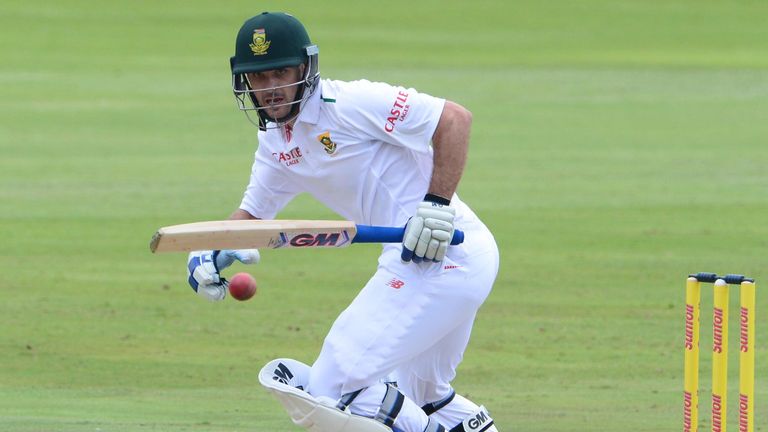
<point x="413" y="320"/>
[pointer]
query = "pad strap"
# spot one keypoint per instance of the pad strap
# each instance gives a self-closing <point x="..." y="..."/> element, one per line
<point x="390" y="406"/>
<point x="347" y="399"/>
<point x="431" y="408"/>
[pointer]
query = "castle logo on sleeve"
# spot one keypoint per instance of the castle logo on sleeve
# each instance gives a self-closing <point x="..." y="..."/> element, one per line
<point x="260" y="43"/>
<point x="327" y="142"/>
<point x="398" y="112"/>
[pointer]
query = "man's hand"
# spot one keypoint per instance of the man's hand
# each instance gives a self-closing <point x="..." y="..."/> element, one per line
<point x="204" y="267"/>
<point x="428" y="233"/>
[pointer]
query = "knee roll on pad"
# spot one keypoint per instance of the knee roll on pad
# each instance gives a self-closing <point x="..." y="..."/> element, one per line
<point x="286" y="371"/>
<point x="285" y="379"/>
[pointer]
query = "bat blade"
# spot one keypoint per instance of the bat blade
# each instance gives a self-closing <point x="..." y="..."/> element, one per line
<point x="247" y="234"/>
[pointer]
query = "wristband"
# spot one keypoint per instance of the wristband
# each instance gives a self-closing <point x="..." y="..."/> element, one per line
<point x="437" y="199"/>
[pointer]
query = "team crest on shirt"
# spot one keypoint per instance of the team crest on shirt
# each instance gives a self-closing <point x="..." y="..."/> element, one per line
<point x="260" y="43"/>
<point x="327" y="142"/>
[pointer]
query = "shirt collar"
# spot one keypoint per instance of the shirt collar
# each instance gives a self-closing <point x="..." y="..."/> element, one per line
<point x="310" y="112"/>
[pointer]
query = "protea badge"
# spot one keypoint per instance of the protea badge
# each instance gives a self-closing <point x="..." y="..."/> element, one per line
<point x="328" y="144"/>
<point x="260" y="43"/>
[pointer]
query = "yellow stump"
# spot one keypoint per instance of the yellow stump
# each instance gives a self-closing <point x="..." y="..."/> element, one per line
<point x="747" y="358"/>
<point x="691" y="387"/>
<point x="720" y="356"/>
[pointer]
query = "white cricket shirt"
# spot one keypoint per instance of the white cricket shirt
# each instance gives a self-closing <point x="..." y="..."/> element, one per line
<point x="361" y="148"/>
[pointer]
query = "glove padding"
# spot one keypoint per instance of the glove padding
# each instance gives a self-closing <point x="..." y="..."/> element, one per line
<point x="428" y="233"/>
<point x="204" y="267"/>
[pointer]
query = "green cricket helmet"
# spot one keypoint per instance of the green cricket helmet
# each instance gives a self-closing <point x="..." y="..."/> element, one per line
<point x="273" y="40"/>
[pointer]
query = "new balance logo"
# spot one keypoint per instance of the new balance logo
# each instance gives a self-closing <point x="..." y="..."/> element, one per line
<point x="282" y="374"/>
<point x="396" y="283"/>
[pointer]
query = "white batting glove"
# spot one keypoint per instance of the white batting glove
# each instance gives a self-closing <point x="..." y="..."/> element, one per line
<point x="428" y="233"/>
<point x="204" y="267"/>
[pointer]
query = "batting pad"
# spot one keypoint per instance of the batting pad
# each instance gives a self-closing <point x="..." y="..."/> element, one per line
<point x="285" y="379"/>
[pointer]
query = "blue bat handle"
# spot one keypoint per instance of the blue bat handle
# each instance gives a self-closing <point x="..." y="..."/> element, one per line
<point x="379" y="234"/>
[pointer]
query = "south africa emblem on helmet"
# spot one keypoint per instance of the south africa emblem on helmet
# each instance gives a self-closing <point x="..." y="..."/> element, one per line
<point x="328" y="144"/>
<point x="260" y="43"/>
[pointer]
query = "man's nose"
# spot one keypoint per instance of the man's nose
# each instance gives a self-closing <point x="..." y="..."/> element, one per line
<point x="272" y="82"/>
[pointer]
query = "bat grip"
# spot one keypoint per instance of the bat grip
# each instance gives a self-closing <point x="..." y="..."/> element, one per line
<point x="379" y="234"/>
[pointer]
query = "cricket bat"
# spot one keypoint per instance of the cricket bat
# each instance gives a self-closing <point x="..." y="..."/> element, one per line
<point x="273" y="234"/>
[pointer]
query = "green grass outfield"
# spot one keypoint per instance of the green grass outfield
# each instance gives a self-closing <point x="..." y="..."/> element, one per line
<point x="617" y="145"/>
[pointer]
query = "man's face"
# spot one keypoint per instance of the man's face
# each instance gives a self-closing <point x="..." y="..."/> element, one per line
<point x="275" y="101"/>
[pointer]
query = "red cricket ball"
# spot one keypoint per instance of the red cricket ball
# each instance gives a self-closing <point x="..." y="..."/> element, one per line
<point x="242" y="286"/>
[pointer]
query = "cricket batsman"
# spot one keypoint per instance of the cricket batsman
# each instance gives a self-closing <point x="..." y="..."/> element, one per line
<point x="375" y="154"/>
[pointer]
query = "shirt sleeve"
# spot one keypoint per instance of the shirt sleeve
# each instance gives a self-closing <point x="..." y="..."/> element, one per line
<point x="269" y="189"/>
<point x="395" y="115"/>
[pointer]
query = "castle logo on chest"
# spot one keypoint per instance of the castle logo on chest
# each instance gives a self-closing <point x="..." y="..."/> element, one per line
<point x="289" y="158"/>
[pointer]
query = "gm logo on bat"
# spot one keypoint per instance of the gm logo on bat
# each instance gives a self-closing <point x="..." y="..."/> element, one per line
<point x="332" y="239"/>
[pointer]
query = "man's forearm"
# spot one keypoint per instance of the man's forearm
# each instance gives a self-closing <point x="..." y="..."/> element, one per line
<point x="450" y="144"/>
<point x="241" y="214"/>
